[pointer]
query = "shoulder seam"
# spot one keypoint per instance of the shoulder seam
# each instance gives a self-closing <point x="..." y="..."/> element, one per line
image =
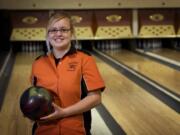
<point x="42" y="55"/>
<point x="85" y="52"/>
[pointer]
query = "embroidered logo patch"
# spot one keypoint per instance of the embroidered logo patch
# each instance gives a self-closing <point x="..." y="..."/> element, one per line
<point x="72" y="66"/>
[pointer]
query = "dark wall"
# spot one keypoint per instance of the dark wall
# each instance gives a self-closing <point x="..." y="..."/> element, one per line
<point x="5" y="30"/>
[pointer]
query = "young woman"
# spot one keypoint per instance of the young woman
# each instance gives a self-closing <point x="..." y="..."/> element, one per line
<point x="62" y="71"/>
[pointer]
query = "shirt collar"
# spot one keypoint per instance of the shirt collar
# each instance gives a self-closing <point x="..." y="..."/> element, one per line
<point x="71" y="51"/>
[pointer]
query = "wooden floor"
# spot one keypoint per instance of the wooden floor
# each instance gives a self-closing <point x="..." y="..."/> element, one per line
<point x="12" y="121"/>
<point x="138" y="112"/>
<point x="160" y="73"/>
<point x="168" y="53"/>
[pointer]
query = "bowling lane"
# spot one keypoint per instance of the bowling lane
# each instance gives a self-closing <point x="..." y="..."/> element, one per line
<point x="138" y="112"/>
<point x="12" y="121"/>
<point x="168" y="53"/>
<point x="157" y="72"/>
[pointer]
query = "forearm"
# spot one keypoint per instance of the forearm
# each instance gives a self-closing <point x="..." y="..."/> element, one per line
<point x="90" y="101"/>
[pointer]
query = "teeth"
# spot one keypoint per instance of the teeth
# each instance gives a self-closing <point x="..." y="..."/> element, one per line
<point x="58" y="39"/>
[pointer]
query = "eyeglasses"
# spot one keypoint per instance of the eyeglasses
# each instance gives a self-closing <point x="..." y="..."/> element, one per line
<point x="55" y="30"/>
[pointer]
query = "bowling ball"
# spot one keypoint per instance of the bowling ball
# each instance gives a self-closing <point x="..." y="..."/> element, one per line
<point x="36" y="102"/>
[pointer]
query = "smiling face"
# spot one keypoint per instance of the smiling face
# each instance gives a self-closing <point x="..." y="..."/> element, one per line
<point x="60" y="33"/>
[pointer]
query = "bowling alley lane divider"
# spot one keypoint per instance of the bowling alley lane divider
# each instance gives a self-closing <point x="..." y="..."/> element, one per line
<point x="169" y="62"/>
<point x="114" y="127"/>
<point x="163" y="94"/>
<point x="5" y="74"/>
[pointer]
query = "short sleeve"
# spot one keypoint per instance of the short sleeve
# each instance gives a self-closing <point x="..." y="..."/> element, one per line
<point x="91" y="74"/>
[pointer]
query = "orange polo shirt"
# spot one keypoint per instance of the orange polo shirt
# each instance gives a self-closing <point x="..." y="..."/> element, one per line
<point x="65" y="80"/>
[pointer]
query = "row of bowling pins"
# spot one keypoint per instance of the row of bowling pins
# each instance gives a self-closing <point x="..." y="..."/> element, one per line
<point x="176" y="44"/>
<point x="38" y="46"/>
<point x="108" y="45"/>
<point x="32" y="47"/>
<point x="149" y="44"/>
<point x="78" y="45"/>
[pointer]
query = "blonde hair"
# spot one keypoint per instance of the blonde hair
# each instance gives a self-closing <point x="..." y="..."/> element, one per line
<point x="53" y="19"/>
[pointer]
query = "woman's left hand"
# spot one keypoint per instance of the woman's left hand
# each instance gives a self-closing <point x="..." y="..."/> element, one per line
<point x="57" y="114"/>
